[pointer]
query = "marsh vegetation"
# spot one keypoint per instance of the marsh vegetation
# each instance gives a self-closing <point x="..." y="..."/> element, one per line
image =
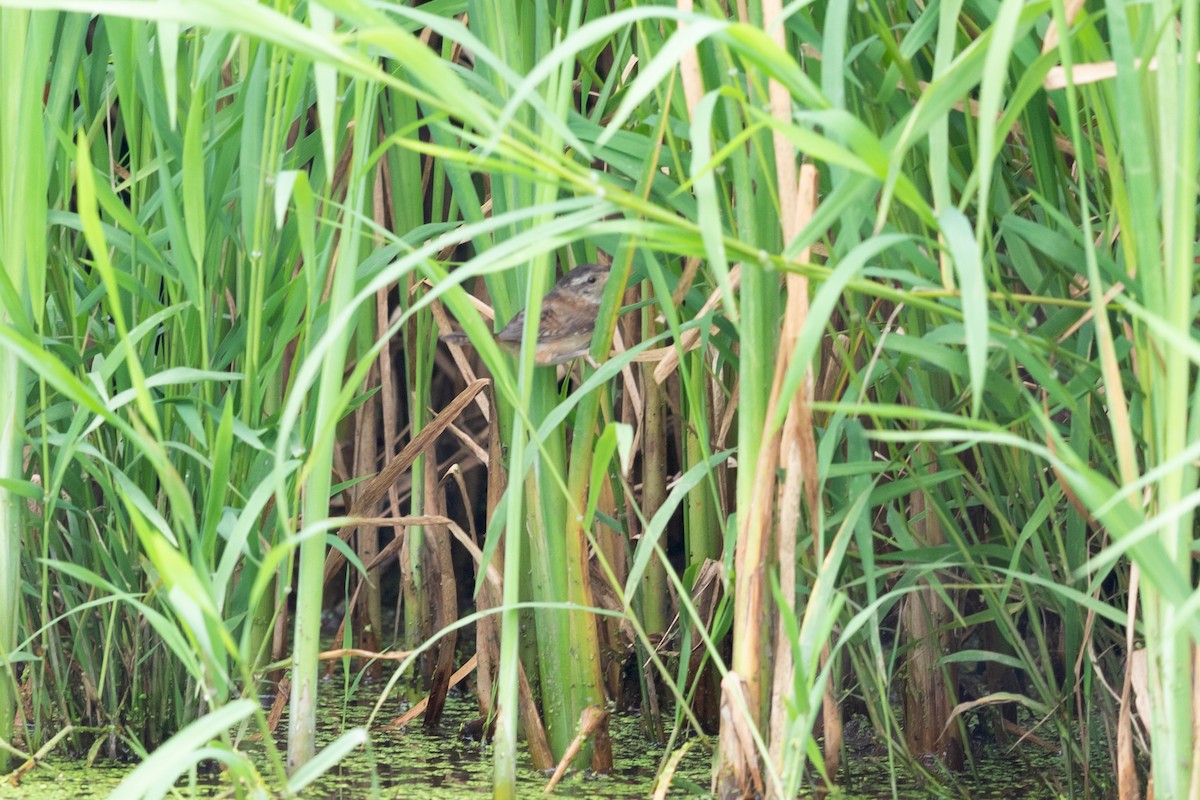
<point x="889" y="419"/>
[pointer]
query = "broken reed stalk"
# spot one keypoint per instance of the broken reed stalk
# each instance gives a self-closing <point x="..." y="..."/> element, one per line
<point x="445" y="596"/>
<point x="487" y="632"/>
<point x="366" y="457"/>
<point x="418" y="707"/>
<point x="592" y="722"/>
<point x="378" y="487"/>
<point x="930" y="684"/>
<point x="798" y="462"/>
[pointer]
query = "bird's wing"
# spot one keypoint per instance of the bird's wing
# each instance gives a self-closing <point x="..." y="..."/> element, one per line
<point x="564" y="320"/>
<point x="556" y="323"/>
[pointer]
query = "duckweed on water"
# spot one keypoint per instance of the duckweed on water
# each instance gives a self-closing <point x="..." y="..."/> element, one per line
<point x="442" y="765"/>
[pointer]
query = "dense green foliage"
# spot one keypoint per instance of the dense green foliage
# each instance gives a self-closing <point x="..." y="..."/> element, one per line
<point x="229" y="233"/>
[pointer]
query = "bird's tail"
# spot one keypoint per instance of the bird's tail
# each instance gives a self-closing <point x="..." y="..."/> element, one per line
<point x="457" y="338"/>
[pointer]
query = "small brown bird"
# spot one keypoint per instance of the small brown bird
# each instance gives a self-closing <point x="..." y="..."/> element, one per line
<point x="568" y="318"/>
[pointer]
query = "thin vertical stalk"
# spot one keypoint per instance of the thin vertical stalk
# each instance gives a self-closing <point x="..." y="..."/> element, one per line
<point x="24" y="65"/>
<point x="369" y="612"/>
<point x="414" y="577"/>
<point x="567" y="644"/>
<point x="655" y="597"/>
<point x="798" y="461"/>
<point x="1165" y="370"/>
<point x="1174" y="761"/>
<point x="12" y="416"/>
<point x="327" y="410"/>
<point x="488" y="22"/>
<point x="758" y="329"/>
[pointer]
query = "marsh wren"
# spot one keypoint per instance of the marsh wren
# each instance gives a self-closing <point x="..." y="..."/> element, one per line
<point x="568" y="318"/>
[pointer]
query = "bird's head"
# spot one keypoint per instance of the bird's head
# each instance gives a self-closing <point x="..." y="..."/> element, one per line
<point x="585" y="282"/>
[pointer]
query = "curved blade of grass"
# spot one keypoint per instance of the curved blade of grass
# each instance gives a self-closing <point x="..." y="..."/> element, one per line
<point x="155" y="776"/>
<point x="967" y="266"/>
<point x="329" y="757"/>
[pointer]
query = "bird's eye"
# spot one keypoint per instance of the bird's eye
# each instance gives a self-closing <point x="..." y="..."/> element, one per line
<point x="591" y="279"/>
